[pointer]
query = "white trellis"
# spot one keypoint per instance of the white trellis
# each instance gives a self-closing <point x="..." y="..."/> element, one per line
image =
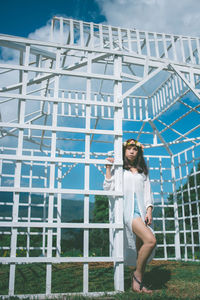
<point x="65" y="104"/>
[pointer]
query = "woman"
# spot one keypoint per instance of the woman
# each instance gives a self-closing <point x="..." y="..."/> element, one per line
<point x="139" y="240"/>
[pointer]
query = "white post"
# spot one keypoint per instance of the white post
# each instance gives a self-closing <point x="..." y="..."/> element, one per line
<point x="87" y="179"/>
<point x="21" y="114"/>
<point x="52" y="179"/>
<point x="177" y="234"/>
<point x="118" y="237"/>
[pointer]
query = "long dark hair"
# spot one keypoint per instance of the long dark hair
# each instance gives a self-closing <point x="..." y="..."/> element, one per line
<point x="139" y="163"/>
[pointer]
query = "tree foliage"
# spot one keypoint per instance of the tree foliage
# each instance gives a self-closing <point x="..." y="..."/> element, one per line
<point x="99" y="238"/>
<point x="187" y="196"/>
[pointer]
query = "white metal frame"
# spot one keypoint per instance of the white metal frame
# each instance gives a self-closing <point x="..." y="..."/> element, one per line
<point x="127" y="77"/>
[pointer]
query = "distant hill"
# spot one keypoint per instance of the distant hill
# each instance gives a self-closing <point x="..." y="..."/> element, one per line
<point x="71" y="210"/>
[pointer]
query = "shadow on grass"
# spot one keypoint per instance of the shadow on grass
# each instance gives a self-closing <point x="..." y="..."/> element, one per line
<point x="157" y="277"/>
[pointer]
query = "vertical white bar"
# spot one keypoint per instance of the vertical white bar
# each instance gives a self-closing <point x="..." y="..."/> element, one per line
<point x="170" y="89"/>
<point x="110" y="37"/>
<point x="83" y="106"/>
<point x="161" y="98"/>
<point x="138" y="42"/>
<point x="61" y="30"/>
<point x="190" y="50"/>
<point x="29" y="208"/>
<point x="81" y="34"/>
<point x="76" y="105"/>
<point x="180" y="83"/>
<point x="191" y="77"/>
<point x="146" y="109"/>
<point x="156" y="45"/>
<point x="153" y="106"/>
<point x="87" y="179"/>
<point x="52" y="178"/>
<point x="71" y="31"/>
<point x="155" y="102"/>
<point x="163" y="209"/>
<point x="147" y="43"/>
<point x="109" y="108"/>
<point x="196" y="190"/>
<point x="182" y="48"/>
<point x="167" y="92"/>
<point x="58" y="214"/>
<point x="92" y="35"/>
<point x="69" y="104"/>
<point x="118" y="240"/>
<point x="128" y="108"/>
<point x="173" y="48"/>
<point x="164" y="45"/>
<point x="176" y="85"/>
<point x="63" y="104"/>
<point x="134" y="109"/>
<point x="158" y="100"/>
<point x="51" y="31"/>
<point x="198" y="50"/>
<point x="173" y="87"/>
<point x="177" y="237"/>
<point x="119" y="37"/>
<point x="95" y="106"/>
<point x="129" y="40"/>
<point x="140" y="108"/>
<point x="101" y="35"/>
<point x="189" y="202"/>
<point x="164" y="96"/>
<point x="17" y="179"/>
<point x="44" y="211"/>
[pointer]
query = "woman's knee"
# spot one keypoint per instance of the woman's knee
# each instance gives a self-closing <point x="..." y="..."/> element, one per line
<point x="151" y="242"/>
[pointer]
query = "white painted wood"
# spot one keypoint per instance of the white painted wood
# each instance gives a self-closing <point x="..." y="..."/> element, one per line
<point x="118" y="237"/>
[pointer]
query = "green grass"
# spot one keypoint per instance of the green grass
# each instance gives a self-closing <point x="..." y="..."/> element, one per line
<point x="169" y="280"/>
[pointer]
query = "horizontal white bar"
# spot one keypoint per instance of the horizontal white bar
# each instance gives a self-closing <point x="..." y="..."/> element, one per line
<point x="60" y="100"/>
<point x="54" y="260"/>
<point x="95" y="50"/>
<point x="60" y="129"/>
<point x="60" y="72"/>
<point x="56" y="159"/>
<point x="61" y="225"/>
<point x="61" y="295"/>
<point x="164" y="232"/>
<point x="59" y="191"/>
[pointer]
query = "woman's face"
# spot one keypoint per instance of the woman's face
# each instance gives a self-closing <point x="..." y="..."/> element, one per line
<point x="131" y="152"/>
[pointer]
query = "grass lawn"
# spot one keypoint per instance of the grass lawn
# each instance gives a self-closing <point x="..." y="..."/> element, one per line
<point x="169" y="280"/>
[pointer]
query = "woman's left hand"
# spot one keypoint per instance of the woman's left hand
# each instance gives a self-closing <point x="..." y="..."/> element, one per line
<point x="148" y="218"/>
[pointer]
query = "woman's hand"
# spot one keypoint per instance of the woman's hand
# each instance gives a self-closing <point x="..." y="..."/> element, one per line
<point x="111" y="160"/>
<point x="108" y="167"/>
<point x="148" y="218"/>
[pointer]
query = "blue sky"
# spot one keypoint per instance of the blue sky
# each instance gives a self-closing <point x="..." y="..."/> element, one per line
<point x="21" y="17"/>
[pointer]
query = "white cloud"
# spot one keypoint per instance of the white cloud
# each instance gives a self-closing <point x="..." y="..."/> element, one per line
<point x="168" y="16"/>
<point x="42" y="33"/>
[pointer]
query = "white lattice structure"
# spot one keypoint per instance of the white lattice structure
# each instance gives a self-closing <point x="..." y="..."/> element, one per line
<point x="64" y="105"/>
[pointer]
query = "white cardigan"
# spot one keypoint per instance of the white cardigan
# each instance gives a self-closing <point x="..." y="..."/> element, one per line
<point x="134" y="185"/>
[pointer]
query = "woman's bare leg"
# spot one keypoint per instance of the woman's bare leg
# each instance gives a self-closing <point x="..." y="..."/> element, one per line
<point x="144" y="234"/>
<point x="138" y="243"/>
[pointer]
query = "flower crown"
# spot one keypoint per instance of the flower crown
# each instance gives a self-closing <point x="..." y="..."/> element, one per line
<point x="133" y="142"/>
